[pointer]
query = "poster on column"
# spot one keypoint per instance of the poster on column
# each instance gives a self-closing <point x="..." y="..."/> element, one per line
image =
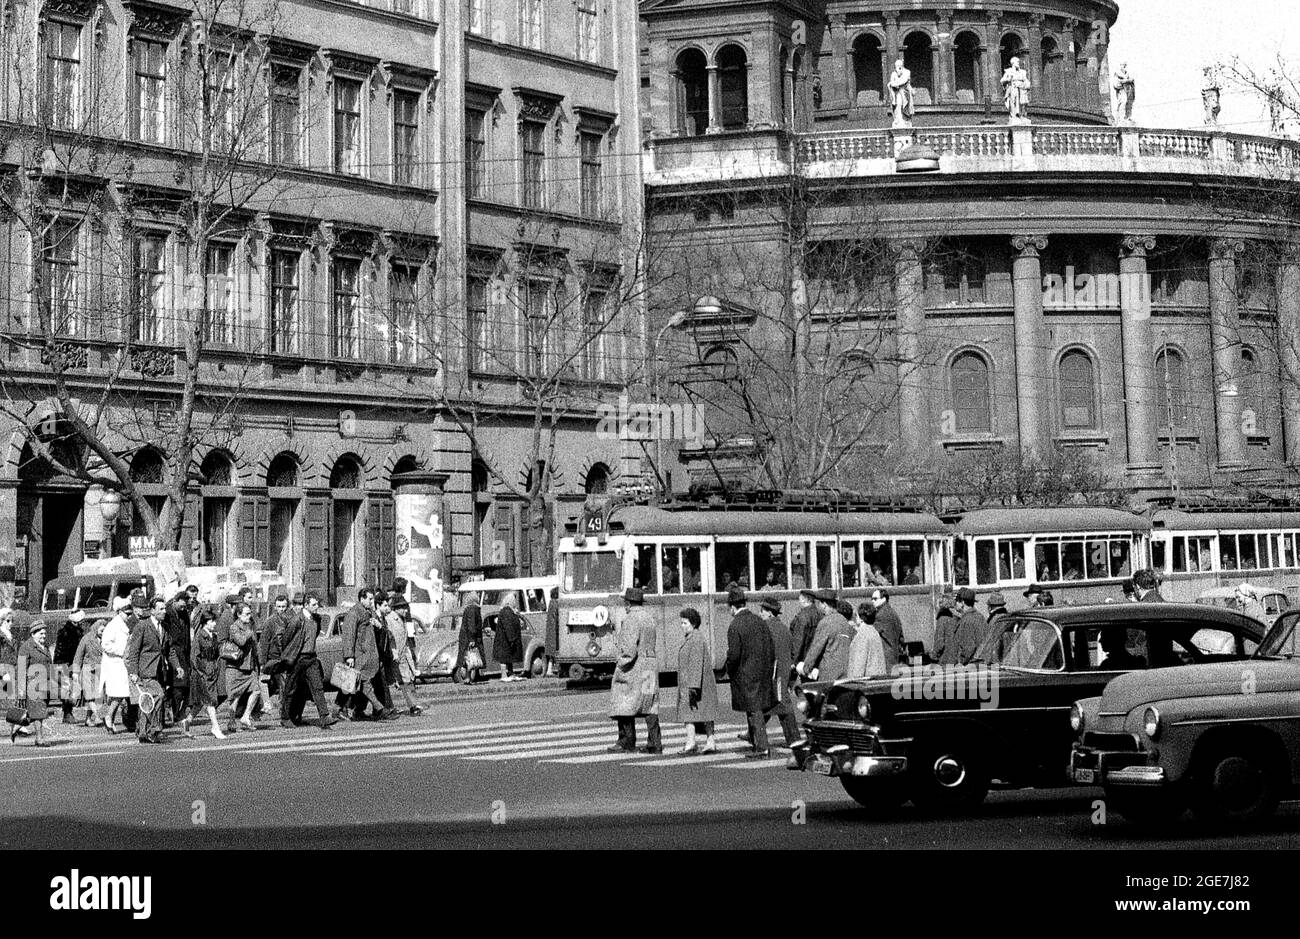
<point x="420" y="555"/>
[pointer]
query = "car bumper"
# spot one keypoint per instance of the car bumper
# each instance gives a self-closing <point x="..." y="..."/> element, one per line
<point x="1092" y="767"/>
<point x="868" y="756"/>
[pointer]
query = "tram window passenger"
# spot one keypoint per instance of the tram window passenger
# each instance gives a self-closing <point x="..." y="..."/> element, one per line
<point x="681" y="568"/>
<point x="731" y="565"/>
<point x="1011" y="560"/>
<point x="1119" y="559"/>
<point x="1207" y="558"/>
<point x="986" y="571"/>
<point x="878" y="557"/>
<point x="1246" y="552"/>
<point x="960" y="573"/>
<point x="799" y="566"/>
<point x="1228" y="553"/>
<point x="1071" y="560"/>
<point x="911" y="555"/>
<point x="769" y="565"/>
<point x="1098" y="565"/>
<point x="850" y="564"/>
<point x="1047" y="561"/>
<point x="645" y="571"/>
<point x="1180" y="555"/>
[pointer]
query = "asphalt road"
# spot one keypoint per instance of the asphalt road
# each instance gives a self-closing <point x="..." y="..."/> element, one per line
<point x="502" y="771"/>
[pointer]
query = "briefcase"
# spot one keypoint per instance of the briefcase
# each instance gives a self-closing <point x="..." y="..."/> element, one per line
<point x="344" y="677"/>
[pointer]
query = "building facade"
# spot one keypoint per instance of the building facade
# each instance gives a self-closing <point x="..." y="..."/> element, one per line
<point x="415" y="191"/>
<point x="1069" y="282"/>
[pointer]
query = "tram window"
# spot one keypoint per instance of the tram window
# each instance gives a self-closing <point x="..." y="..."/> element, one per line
<point x="1204" y="556"/>
<point x="1247" y="556"/>
<point x="1011" y="559"/>
<point x="961" y="563"/>
<point x="850" y="565"/>
<point x="799" y="579"/>
<point x="645" y="571"/>
<point x="1095" y="556"/>
<point x="1286" y="550"/>
<point x="825" y="556"/>
<point x="911" y="563"/>
<point x="731" y="566"/>
<point x="986" y="565"/>
<point x="1119" y="559"/>
<point x="878" y="563"/>
<point x="1180" y="555"/>
<point x="681" y="568"/>
<point x="1072" y="560"/>
<point x="1228" y="552"/>
<point x="1047" y="561"/>
<point x="1265" y="555"/>
<point x="769" y="565"/>
<point x="1158" y="560"/>
<point x="593" y="572"/>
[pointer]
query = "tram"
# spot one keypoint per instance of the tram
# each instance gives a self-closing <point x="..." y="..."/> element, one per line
<point x="685" y="553"/>
<point x="1198" y="547"/>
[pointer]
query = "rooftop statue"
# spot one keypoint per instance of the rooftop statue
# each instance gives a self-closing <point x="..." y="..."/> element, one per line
<point x="1015" y="82"/>
<point x="1125" y="90"/>
<point x="901" y="98"/>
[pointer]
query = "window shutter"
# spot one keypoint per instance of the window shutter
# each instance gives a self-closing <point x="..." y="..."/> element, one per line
<point x="318" y="546"/>
<point x="254" y="520"/>
<point x="380" y="534"/>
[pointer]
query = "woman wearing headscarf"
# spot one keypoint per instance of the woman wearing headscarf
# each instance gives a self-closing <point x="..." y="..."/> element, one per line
<point x="507" y="644"/>
<point x="86" y="670"/>
<point x="114" y="681"/>
<point x="34" y="657"/>
<point x="8" y="648"/>
<point x="471" y="635"/>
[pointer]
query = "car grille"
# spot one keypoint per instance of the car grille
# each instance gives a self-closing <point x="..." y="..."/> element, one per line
<point x="858" y="738"/>
<point x="1120" y="742"/>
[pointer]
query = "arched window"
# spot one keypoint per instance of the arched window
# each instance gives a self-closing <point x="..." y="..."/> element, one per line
<point x="407" y="464"/>
<point x="1078" y="392"/>
<point x="720" y="364"/>
<point x="217" y="524"/>
<point x="597" y="480"/>
<point x="733" y="83"/>
<point x="1250" y="387"/>
<point x="217" y="469"/>
<point x="1172" y="390"/>
<point x="692" y="93"/>
<point x="919" y="60"/>
<point x="147" y="466"/>
<point x="1053" y="72"/>
<point x="1012" y="47"/>
<point x="868" y="70"/>
<point x="346" y="473"/>
<point x="283" y="471"/>
<point x="970" y="394"/>
<point x="966" y="68"/>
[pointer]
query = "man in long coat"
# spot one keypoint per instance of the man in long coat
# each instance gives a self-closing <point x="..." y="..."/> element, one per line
<point x="751" y="662"/>
<point x="828" y="654"/>
<point x="783" y="644"/>
<point x="958" y="646"/>
<point x="804" y="625"/>
<point x="634" y="691"/>
<point x="362" y="652"/>
<point x="890" y="628"/>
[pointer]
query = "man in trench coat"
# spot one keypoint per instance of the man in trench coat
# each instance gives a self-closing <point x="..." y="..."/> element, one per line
<point x="751" y="661"/>
<point x="783" y="643"/>
<point x="634" y="691"/>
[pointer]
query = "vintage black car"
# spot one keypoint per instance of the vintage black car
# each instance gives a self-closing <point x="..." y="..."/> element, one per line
<point x="941" y="736"/>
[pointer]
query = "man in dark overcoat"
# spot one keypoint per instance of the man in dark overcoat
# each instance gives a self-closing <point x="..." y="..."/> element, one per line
<point x="751" y="661"/>
<point x="783" y="643"/>
<point x="149" y="653"/>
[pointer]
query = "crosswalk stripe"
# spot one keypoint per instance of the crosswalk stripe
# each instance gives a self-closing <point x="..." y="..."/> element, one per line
<point x="726" y="751"/>
<point x="674" y="735"/>
<point x="775" y="763"/>
<point x="264" y="745"/>
<point x="594" y="747"/>
<point x="58" y="756"/>
<point x="457" y="747"/>
<point x="639" y="757"/>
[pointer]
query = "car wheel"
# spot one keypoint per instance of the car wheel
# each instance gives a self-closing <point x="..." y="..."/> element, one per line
<point x="475" y="676"/>
<point x="460" y="675"/>
<point x="876" y="796"/>
<point x="1147" y="808"/>
<point x="1234" y="786"/>
<point x="537" y="667"/>
<point x="946" y="775"/>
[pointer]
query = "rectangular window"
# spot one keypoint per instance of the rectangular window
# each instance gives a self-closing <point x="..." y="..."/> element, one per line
<point x="220" y="103"/>
<point x="592" y="176"/>
<point x="1159" y="556"/>
<point x="850" y="565"/>
<point x="219" y="293"/>
<point x="475" y="149"/>
<point x="284" y="302"/>
<point x="63" y="73"/>
<point x="346" y="308"/>
<point x="286" y="115"/>
<point x="645" y="568"/>
<point x="406" y="137"/>
<point x="530" y="23"/>
<point x="539" y="315"/>
<point x="478" y="338"/>
<point x="986" y="569"/>
<point x="347" y="126"/>
<point x="148" y="101"/>
<point x="588" y="31"/>
<point x="532" y="147"/>
<point x="878" y="563"/>
<point x="911" y="563"/>
<point x="477" y="18"/>
<point x="800" y="578"/>
<point x="592" y="358"/>
<point x="403" y="327"/>
<point x="681" y="568"/>
<point x="60" y="254"/>
<point x="770" y="565"/>
<point x="149" y="272"/>
<point x="731" y="565"/>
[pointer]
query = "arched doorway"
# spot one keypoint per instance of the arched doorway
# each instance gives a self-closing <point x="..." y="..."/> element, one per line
<point x="966" y="68"/>
<point x="733" y="84"/>
<point x="284" y="542"/>
<point x="48" y="521"/>
<point x="918" y="58"/>
<point x="217" y="519"/>
<point x="596" y="482"/>
<point x="692" y="78"/>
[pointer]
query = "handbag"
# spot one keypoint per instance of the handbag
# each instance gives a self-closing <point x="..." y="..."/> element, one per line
<point x="17" y="716"/>
<point x="473" y="658"/>
<point x="231" y="651"/>
<point x="344" y="677"/>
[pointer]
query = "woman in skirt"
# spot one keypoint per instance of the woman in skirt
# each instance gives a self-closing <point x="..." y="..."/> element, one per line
<point x="205" y="672"/>
<point x="86" y="670"/>
<point x="398" y="664"/>
<point x="114" y="681"/>
<point x="35" y="657"/>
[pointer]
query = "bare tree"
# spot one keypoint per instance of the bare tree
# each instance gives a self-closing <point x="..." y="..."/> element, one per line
<point x="141" y="321"/>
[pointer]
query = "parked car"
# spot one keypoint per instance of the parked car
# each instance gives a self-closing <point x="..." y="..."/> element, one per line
<point x="329" y="645"/>
<point x="1222" y="738"/>
<point x="942" y="737"/>
<point x="532" y="594"/>
<point x="1274" y="601"/>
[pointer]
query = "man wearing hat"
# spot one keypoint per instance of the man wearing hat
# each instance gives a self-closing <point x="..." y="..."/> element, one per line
<point x="828" y="653"/>
<point x="783" y="643"/>
<point x="1037" y="596"/>
<point x="751" y="661"/>
<point x="997" y="607"/>
<point x="634" y="691"/>
<point x="957" y="647"/>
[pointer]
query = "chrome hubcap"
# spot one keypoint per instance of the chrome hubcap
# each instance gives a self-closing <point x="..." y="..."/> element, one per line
<point x="949" y="771"/>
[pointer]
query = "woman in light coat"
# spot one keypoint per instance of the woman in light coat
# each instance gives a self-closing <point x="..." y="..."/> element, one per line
<point x="114" y="684"/>
<point x="697" y="690"/>
<point x="86" y="670"/>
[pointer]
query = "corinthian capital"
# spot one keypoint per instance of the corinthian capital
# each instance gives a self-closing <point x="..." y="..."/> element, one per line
<point x="1029" y="246"/>
<point x="1136" y="246"/>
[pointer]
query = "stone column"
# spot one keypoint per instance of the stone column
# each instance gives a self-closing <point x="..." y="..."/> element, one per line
<point x="1138" y="363"/>
<point x="1288" y="320"/>
<point x="1035" y="55"/>
<point x="715" y="99"/>
<point x="1226" y="352"/>
<point x="1027" y="288"/>
<point x="943" y="62"/>
<point x="993" y="61"/>
<point x="840" y="92"/>
<point x="893" y="51"/>
<point x="909" y="293"/>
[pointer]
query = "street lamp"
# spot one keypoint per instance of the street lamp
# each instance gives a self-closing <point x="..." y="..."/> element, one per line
<point x="674" y="321"/>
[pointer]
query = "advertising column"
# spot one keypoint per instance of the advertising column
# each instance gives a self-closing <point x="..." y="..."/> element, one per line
<point x="421" y="550"/>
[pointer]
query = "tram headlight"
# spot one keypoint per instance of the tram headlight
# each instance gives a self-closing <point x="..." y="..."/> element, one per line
<point x="1076" y="718"/>
<point x="593" y="648"/>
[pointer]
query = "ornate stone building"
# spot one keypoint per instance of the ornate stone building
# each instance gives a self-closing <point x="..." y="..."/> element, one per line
<point x="1070" y="282"/>
<point x="433" y="174"/>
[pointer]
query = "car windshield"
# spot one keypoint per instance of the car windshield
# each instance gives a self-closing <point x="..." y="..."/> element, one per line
<point x="1030" y="644"/>
<point x="56" y="599"/>
<point x="1281" y="639"/>
<point x="593" y="572"/>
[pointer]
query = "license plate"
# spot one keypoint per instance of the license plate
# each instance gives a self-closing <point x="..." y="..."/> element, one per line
<point x="821" y="764"/>
<point x="1085" y="775"/>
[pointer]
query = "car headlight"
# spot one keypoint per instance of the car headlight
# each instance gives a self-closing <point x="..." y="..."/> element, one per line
<point x="1076" y="718"/>
<point x="1151" y="723"/>
<point x="593" y="648"/>
<point x="864" y="708"/>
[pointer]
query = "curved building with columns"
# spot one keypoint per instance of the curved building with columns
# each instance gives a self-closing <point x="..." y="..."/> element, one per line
<point x="1067" y="281"/>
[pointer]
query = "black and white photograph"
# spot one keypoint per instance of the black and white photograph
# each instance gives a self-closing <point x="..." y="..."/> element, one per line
<point x="650" y="426"/>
